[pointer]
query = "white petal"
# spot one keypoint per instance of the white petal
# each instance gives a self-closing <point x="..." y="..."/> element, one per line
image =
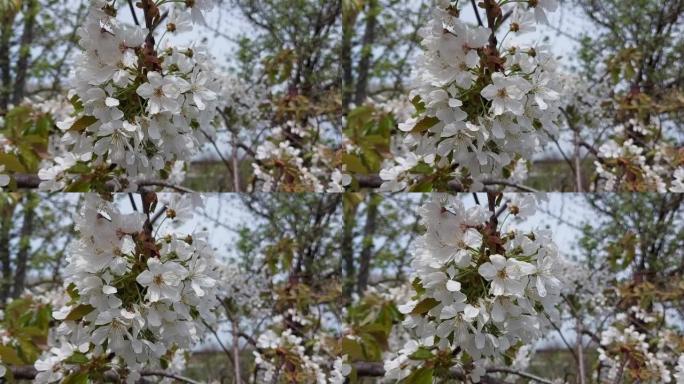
<point x="453" y="286"/>
<point x="108" y="289"/>
<point x="111" y="102"/>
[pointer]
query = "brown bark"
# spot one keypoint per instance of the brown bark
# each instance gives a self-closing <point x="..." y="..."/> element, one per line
<point x="346" y="61"/>
<point x="367" y="247"/>
<point x="7" y="211"/>
<point x="30" y="13"/>
<point x="7" y="19"/>
<point x="374" y="369"/>
<point x="24" y="245"/>
<point x="347" y="251"/>
<point x="366" y="53"/>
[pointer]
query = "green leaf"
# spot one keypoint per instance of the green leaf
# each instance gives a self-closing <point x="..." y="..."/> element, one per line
<point x="32" y="331"/>
<point x="420" y="376"/>
<point x="371" y="158"/>
<point x="422" y="168"/>
<point x="80" y="311"/>
<point x="72" y="291"/>
<point x="426" y="123"/>
<point x="418" y="103"/>
<point x="76" y="378"/>
<point x="424" y="306"/>
<point x="422" y="354"/>
<point x="83" y="123"/>
<point x="9" y="356"/>
<point x="81" y="185"/>
<point x="386" y="125"/>
<point x="418" y="286"/>
<point x="11" y="163"/>
<point x="424" y="185"/>
<point x="80" y="168"/>
<point x="353" y="349"/>
<point x="77" y="358"/>
<point x="42" y="126"/>
<point x="76" y="103"/>
<point x="354" y="164"/>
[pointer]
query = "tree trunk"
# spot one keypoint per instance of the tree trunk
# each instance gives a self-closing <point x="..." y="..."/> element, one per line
<point x="24" y="244"/>
<point x="5" y="67"/>
<point x="367" y="247"/>
<point x="348" y="251"/>
<point x="236" y="353"/>
<point x="346" y="60"/>
<point x="31" y="11"/>
<point x="366" y="52"/>
<point x="5" y="258"/>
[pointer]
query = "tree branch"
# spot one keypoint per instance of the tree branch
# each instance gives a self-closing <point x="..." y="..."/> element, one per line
<point x="155" y="183"/>
<point x="372" y="369"/>
<point x="477" y="13"/>
<point x="521" y="374"/>
<point x="28" y="181"/>
<point x="135" y="17"/>
<point x="27" y="372"/>
<point x="521" y="187"/>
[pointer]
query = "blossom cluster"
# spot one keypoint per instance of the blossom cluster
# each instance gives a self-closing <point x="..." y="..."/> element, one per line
<point x="296" y="344"/>
<point x="636" y="346"/>
<point x="138" y="110"/>
<point x="282" y="355"/>
<point x="283" y="165"/>
<point x="311" y="366"/>
<point x="480" y="107"/>
<point x="479" y="293"/>
<point x="644" y="165"/>
<point x="245" y="290"/>
<point x="135" y="296"/>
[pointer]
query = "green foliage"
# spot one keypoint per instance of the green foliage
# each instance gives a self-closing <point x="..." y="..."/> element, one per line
<point x="420" y="376"/>
<point x="370" y="324"/>
<point x="76" y="378"/>
<point x="79" y="312"/>
<point x="370" y="130"/>
<point x="637" y="233"/>
<point x="27" y="130"/>
<point x="27" y="324"/>
<point x="278" y="67"/>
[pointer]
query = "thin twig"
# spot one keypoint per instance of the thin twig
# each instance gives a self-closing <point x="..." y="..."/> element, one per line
<point x="158" y="215"/>
<point x="180" y="378"/>
<point x="130" y="197"/>
<point x="135" y="17"/>
<point x="560" y="333"/>
<point x="218" y="339"/>
<point x="149" y="183"/>
<point x="477" y="14"/>
<point x="28" y="372"/>
<point x="521" y="374"/>
<point x="521" y="187"/>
